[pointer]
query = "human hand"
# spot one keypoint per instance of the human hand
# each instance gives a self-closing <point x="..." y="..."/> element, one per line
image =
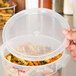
<point x="71" y="37"/>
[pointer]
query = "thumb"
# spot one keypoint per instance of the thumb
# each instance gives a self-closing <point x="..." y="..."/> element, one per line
<point x="71" y="35"/>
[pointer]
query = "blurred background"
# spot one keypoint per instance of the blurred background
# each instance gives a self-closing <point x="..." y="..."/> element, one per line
<point x="60" y="6"/>
<point x="10" y="7"/>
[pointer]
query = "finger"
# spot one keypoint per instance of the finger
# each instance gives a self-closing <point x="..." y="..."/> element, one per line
<point x="67" y="43"/>
<point x="65" y="32"/>
<point x="73" y="52"/>
<point x="73" y="47"/>
<point x="69" y="34"/>
<point x="68" y="48"/>
<point x="74" y="58"/>
<point x="75" y="41"/>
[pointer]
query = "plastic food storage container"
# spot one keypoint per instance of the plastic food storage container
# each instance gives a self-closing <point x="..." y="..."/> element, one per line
<point x="41" y="27"/>
<point x="7" y="9"/>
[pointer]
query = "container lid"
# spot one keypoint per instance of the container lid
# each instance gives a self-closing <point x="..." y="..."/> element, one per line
<point x="35" y="34"/>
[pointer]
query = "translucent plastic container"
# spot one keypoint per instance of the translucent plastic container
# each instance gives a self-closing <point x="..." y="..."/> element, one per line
<point x="51" y="69"/>
<point x="40" y="27"/>
<point x="6" y="13"/>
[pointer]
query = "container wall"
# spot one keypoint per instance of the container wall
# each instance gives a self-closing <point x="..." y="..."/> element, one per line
<point x="12" y="69"/>
<point x="58" y="73"/>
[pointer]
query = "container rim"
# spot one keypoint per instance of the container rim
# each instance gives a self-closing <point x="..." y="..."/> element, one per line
<point x="60" y="59"/>
<point x="34" y="58"/>
<point x="56" y="15"/>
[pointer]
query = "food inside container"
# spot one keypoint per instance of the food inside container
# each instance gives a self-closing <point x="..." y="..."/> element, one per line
<point x="32" y="47"/>
<point x="19" y="61"/>
<point x="7" y="9"/>
<point x="20" y="67"/>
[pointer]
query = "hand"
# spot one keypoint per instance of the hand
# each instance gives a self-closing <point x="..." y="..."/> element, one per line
<point x="71" y="37"/>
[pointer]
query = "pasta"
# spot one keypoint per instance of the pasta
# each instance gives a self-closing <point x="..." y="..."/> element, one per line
<point x="5" y="14"/>
<point x="10" y="57"/>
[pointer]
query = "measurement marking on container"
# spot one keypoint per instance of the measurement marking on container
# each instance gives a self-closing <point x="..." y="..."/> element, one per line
<point x="18" y="70"/>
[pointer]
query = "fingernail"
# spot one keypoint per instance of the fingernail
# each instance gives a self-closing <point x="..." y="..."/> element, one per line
<point x="65" y="32"/>
<point x="73" y="47"/>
